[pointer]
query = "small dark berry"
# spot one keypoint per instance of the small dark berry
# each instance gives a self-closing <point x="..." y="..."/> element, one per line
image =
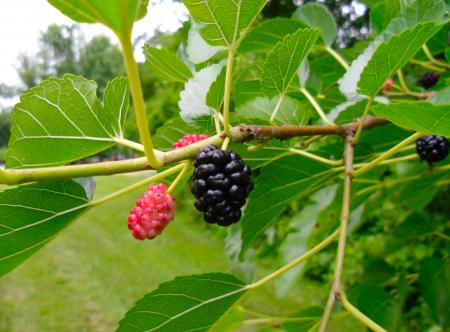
<point x="427" y="80"/>
<point x="432" y="148"/>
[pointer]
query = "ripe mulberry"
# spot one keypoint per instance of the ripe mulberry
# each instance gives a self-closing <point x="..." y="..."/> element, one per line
<point x="432" y="148"/>
<point x="152" y="212"/>
<point x="427" y="80"/>
<point x="221" y="185"/>
<point x="189" y="139"/>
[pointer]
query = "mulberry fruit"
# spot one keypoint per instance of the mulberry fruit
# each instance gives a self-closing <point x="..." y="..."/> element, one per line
<point x="428" y="80"/>
<point x="152" y="212"/>
<point x="221" y="185"/>
<point x="189" y="139"/>
<point x="432" y="148"/>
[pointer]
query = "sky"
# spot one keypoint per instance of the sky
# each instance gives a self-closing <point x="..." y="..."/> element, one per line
<point x="21" y="22"/>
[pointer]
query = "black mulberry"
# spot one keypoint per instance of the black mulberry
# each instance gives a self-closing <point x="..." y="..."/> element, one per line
<point x="432" y="148"/>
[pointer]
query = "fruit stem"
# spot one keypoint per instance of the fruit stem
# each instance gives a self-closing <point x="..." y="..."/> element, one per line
<point x="387" y="154"/>
<point x="225" y="143"/>
<point x="276" y="109"/>
<point x="402" y="81"/>
<point x="227" y="90"/>
<point x="138" y="100"/>
<point x="316" y="158"/>
<point x="359" y="315"/>
<point x="432" y="59"/>
<point x="316" y="106"/>
<point x="427" y="65"/>
<point x="145" y="182"/>
<point x="186" y="165"/>
<point x="322" y="245"/>
<point x="344" y="219"/>
<point x="337" y="56"/>
<point x="363" y="120"/>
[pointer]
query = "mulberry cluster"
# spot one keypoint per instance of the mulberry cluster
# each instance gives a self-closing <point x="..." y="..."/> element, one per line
<point x="152" y="212"/>
<point x="221" y="185"/>
<point x="427" y="80"/>
<point x="432" y="148"/>
<point x="189" y="139"/>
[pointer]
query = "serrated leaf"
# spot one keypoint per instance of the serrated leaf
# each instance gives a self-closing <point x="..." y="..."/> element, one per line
<point x="292" y="111"/>
<point x="32" y="215"/>
<point x="118" y="15"/>
<point x="267" y="34"/>
<point x="198" y="50"/>
<point x="278" y="184"/>
<point x="283" y="62"/>
<point x="62" y="120"/>
<point x="223" y="21"/>
<point x="190" y="303"/>
<point x="245" y="91"/>
<point x="419" y="11"/>
<point x="214" y="98"/>
<point x="166" y="65"/>
<point x="378" y="305"/>
<point x="421" y="116"/>
<point x="434" y="281"/>
<point x="193" y="98"/>
<point x="318" y="16"/>
<point x="392" y="55"/>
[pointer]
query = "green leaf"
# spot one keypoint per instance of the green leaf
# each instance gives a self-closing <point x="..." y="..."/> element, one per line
<point x="382" y="13"/>
<point x="378" y="305"/>
<point x="419" y="11"/>
<point x="216" y="92"/>
<point x="261" y="157"/>
<point x="245" y="91"/>
<point x="318" y="16"/>
<point x="190" y="303"/>
<point x="392" y="55"/>
<point x="421" y="116"/>
<point x="267" y="34"/>
<point x="434" y="281"/>
<point x="231" y="321"/>
<point x="223" y="21"/>
<point x="118" y="15"/>
<point x="292" y="111"/>
<point x="62" y="120"/>
<point x="32" y="215"/>
<point x="193" y="98"/>
<point x="283" y="62"/>
<point x="166" y="65"/>
<point x="279" y="183"/>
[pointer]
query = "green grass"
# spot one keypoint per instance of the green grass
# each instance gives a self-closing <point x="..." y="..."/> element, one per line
<point x="93" y="272"/>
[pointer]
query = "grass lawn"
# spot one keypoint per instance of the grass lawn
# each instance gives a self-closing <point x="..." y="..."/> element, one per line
<point x="87" y="278"/>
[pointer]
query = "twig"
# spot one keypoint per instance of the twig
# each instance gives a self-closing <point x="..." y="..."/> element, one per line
<point x="345" y="216"/>
<point x="239" y="134"/>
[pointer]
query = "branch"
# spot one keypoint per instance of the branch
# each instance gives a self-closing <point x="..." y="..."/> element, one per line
<point x="239" y="134"/>
<point x="345" y="216"/>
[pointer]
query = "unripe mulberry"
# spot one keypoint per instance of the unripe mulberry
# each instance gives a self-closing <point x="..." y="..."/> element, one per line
<point x="152" y="212"/>
<point x="221" y="185"/>
<point x="432" y="148"/>
<point x="189" y="139"/>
